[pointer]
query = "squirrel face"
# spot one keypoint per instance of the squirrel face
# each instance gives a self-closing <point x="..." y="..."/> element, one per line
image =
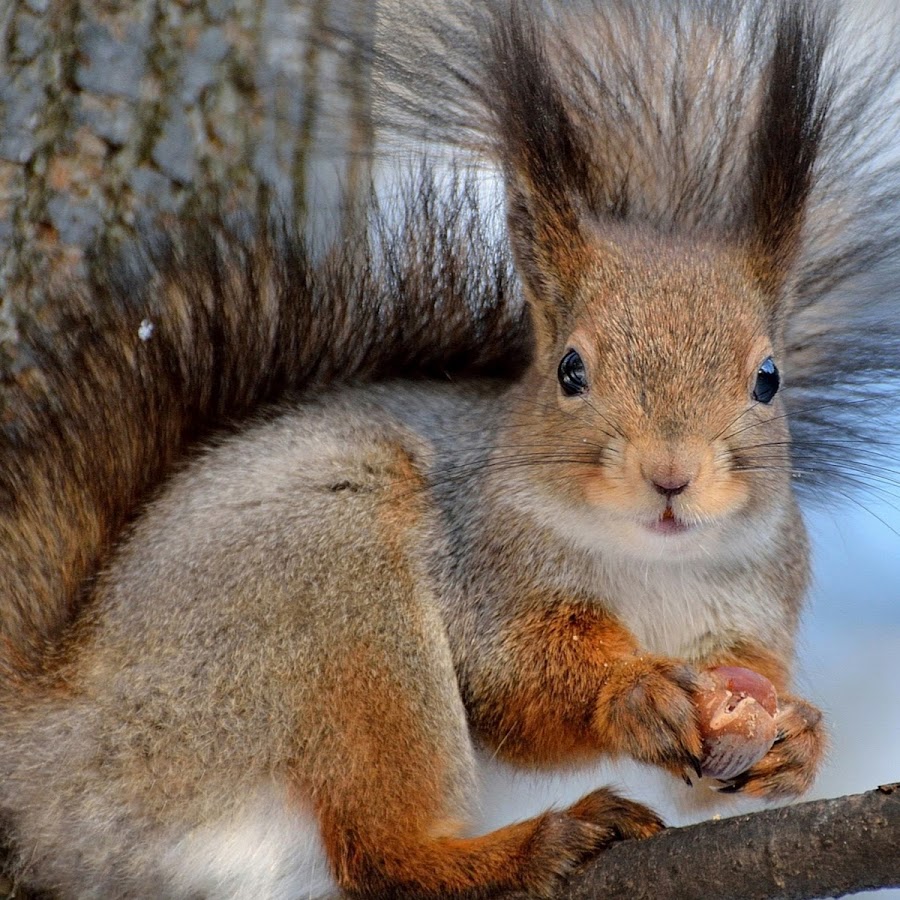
<point x="660" y="390"/>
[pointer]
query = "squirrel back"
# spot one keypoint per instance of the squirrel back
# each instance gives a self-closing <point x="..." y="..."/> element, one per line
<point x="201" y="328"/>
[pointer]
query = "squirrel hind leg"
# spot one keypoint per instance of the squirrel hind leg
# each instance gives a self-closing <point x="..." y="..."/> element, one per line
<point x="390" y="823"/>
<point x="534" y="855"/>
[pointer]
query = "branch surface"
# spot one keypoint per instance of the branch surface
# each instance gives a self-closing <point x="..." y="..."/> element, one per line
<point x="824" y="848"/>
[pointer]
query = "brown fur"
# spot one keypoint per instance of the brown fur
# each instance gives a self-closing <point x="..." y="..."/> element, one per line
<point x="261" y="569"/>
<point x="582" y="687"/>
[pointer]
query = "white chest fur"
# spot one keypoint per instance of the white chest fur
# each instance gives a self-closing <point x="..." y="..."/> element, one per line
<point x="681" y="612"/>
<point x="685" y="597"/>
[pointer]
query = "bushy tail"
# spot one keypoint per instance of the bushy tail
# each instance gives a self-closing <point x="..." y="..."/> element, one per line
<point x="200" y="329"/>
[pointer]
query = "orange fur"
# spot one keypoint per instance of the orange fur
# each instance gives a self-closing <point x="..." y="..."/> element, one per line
<point x="580" y="686"/>
<point x="383" y="813"/>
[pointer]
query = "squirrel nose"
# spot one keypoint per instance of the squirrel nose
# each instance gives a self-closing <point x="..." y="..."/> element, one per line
<point x="670" y="487"/>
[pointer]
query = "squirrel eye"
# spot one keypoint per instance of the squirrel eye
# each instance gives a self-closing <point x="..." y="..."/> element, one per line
<point x="572" y="374"/>
<point x="767" y="381"/>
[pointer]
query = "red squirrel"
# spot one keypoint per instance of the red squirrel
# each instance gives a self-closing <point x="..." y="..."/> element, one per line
<point x="288" y="535"/>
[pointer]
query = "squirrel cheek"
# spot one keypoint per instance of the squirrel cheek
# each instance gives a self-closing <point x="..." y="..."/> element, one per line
<point x="603" y="486"/>
<point x="722" y="495"/>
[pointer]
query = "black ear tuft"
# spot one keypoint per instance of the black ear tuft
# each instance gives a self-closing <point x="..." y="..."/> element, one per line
<point x="537" y="139"/>
<point x="792" y="122"/>
<point x="545" y="162"/>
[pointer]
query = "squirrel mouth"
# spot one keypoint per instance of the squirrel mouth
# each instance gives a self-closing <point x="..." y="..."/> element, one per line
<point x="669" y="523"/>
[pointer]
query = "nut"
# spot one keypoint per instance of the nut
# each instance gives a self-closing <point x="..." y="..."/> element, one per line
<point x="737" y="720"/>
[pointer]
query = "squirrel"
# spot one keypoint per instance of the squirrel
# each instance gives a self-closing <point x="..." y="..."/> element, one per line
<point x="289" y="532"/>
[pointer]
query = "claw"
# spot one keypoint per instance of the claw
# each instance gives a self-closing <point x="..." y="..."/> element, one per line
<point x="734" y="785"/>
<point x="695" y="764"/>
<point x="687" y="780"/>
<point x="729" y="789"/>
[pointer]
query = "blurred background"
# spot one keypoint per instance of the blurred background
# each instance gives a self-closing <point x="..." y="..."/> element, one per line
<point x="117" y="116"/>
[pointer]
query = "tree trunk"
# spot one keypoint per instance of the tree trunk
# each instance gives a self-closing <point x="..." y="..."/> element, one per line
<point x="116" y="116"/>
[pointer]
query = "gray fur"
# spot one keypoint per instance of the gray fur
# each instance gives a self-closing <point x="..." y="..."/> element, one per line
<point x="233" y="569"/>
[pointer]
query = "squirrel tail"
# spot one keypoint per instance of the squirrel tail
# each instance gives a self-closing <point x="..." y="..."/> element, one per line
<point x="199" y="329"/>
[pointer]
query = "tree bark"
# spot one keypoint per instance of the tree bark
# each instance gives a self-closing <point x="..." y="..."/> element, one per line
<point x="116" y="116"/>
<point x="824" y="848"/>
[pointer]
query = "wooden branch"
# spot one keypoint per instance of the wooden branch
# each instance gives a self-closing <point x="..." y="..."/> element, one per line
<point x="825" y="848"/>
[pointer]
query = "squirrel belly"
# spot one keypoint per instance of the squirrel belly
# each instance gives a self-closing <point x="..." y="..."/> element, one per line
<point x="341" y="519"/>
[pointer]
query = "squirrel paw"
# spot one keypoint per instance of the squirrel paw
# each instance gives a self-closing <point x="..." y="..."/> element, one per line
<point x="647" y="709"/>
<point x="566" y="839"/>
<point x="625" y="819"/>
<point x="790" y="767"/>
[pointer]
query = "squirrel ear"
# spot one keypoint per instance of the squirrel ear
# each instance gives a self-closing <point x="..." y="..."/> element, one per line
<point x="551" y="254"/>
<point x="545" y="164"/>
<point x="786" y="144"/>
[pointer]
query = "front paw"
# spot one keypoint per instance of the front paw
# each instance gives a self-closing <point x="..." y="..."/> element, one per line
<point x="790" y="767"/>
<point x="647" y="709"/>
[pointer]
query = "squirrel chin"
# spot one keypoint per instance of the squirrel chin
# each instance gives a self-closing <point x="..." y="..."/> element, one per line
<point x="668" y="538"/>
<point x="728" y="538"/>
<point x="664" y="540"/>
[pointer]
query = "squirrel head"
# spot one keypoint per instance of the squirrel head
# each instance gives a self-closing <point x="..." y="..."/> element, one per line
<point x="659" y="308"/>
<point x="654" y="395"/>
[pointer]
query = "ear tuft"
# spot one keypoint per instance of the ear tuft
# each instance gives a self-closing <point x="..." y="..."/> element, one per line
<point x="787" y="141"/>
<point x="545" y="161"/>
